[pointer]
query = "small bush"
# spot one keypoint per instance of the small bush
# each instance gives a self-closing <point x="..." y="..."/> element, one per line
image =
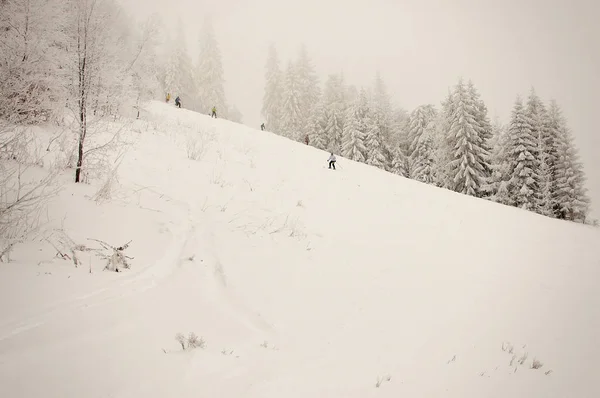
<point x="195" y="341"/>
<point x="195" y="147"/>
<point x="181" y="340"/>
<point x="192" y="341"/>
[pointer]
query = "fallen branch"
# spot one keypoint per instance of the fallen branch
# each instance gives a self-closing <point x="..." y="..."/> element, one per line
<point x="116" y="259"/>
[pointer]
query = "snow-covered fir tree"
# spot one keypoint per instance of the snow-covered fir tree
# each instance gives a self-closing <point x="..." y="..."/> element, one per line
<point x="522" y="151"/>
<point x="381" y="109"/>
<point x="484" y="130"/>
<point x="273" y="95"/>
<point x="374" y="141"/>
<point x="444" y="144"/>
<point x="469" y="165"/>
<point x="381" y="104"/>
<point x="418" y="121"/>
<point x="178" y="77"/>
<point x="352" y="93"/>
<point x="399" y="126"/>
<point x="496" y="189"/>
<point x="546" y="153"/>
<point x="308" y="86"/>
<point x="570" y="195"/>
<point x="399" y="162"/>
<point x="334" y="103"/>
<point x="316" y="128"/>
<point x="209" y="74"/>
<point x="353" y="146"/>
<point x="423" y="157"/>
<point x="291" y="113"/>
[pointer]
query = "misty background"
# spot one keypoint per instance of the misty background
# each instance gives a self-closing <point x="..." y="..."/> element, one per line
<point x="420" y="48"/>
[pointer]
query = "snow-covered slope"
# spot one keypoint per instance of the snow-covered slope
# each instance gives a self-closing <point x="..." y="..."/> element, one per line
<point x="302" y="281"/>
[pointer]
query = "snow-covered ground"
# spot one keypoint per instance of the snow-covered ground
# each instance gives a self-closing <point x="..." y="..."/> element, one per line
<point x="302" y="281"/>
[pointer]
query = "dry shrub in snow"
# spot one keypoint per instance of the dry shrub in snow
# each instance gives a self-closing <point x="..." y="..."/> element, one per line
<point x="104" y="151"/>
<point x="196" y="145"/>
<point x="63" y="244"/>
<point x="192" y="341"/>
<point x="507" y="347"/>
<point x="292" y="226"/>
<point x="106" y="191"/>
<point x="536" y="364"/>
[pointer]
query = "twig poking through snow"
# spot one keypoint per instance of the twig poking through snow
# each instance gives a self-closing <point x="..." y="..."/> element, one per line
<point x="380" y="380"/>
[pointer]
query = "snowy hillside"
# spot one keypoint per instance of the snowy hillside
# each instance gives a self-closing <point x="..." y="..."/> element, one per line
<point x="300" y="281"/>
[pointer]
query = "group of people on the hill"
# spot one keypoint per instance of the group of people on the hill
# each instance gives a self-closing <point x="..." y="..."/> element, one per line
<point x="213" y="112"/>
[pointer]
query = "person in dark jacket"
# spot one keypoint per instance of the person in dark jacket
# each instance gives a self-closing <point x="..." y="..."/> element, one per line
<point x="178" y="102"/>
<point x="262" y="127"/>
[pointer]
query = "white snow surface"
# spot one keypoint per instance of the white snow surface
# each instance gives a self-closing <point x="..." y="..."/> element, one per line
<point x="302" y="281"/>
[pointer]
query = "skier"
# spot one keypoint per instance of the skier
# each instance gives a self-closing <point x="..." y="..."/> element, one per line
<point x="168" y="97"/>
<point x="178" y="102"/>
<point x="262" y="127"/>
<point x="331" y="161"/>
<point x="306" y="139"/>
<point x="214" y="112"/>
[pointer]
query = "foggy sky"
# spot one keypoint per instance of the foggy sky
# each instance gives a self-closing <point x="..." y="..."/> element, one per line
<point x="420" y="47"/>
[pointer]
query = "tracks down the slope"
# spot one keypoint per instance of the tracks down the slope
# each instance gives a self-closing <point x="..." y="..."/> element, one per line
<point x="131" y="283"/>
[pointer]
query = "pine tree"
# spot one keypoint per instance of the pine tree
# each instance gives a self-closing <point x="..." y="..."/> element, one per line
<point x="521" y="149"/>
<point x="570" y="195"/>
<point x="418" y="121"/>
<point x="334" y="104"/>
<point x="316" y="129"/>
<point x="353" y="146"/>
<point x="444" y="144"/>
<point x="273" y="96"/>
<point x="399" y="126"/>
<point x="374" y="142"/>
<point x="423" y="159"/>
<point x="291" y="116"/>
<point x="468" y="165"/>
<point x="546" y="154"/>
<point x="484" y="130"/>
<point x="209" y="72"/>
<point x="496" y="189"/>
<point x="178" y="74"/>
<point x="399" y="163"/>
<point x="308" y="86"/>
<point x="381" y="111"/>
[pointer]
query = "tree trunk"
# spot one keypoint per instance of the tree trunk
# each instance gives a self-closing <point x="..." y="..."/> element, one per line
<point x="82" y="49"/>
<point x="82" y="132"/>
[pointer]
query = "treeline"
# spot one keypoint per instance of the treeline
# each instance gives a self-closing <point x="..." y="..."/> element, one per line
<point x="530" y="162"/>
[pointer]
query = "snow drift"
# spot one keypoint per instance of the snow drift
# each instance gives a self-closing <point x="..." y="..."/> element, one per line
<point x="297" y="281"/>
